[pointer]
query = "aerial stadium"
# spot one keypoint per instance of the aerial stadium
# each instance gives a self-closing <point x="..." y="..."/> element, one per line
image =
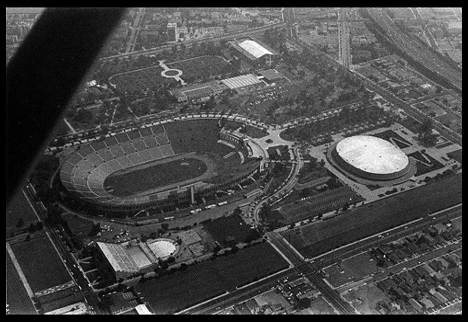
<point x="169" y="163"/>
<point x="370" y="160"/>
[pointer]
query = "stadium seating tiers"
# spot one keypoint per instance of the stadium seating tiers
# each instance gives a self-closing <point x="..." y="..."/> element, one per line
<point x="83" y="172"/>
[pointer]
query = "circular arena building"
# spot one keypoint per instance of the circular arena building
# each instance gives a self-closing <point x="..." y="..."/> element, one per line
<point x="162" y="164"/>
<point x="371" y="160"/>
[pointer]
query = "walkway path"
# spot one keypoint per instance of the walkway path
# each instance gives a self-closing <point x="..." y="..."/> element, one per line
<point x="164" y="73"/>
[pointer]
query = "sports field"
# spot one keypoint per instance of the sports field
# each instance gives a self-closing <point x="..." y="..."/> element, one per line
<point x="16" y="296"/>
<point x="182" y="289"/>
<point x="40" y="263"/>
<point x="127" y="182"/>
<point x="312" y="240"/>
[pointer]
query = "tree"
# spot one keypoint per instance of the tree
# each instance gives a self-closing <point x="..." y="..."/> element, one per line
<point x="28" y="237"/>
<point x="20" y="223"/>
<point x="95" y="230"/>
<point x="32" y="228"/>
<point x="39" y="226"/>
<point x="303" y="303"/>
<point x="165" y="226"/>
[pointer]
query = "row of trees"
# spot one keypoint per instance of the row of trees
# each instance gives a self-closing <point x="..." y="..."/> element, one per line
<point x="346" y="118"/>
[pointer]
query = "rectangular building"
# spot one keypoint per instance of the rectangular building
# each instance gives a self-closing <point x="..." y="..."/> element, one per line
<point x="126" y="259"/>
<point x="242" y="82"/>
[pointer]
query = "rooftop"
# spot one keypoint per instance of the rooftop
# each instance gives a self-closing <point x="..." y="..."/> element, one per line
<point x="129" y="258"/>
<point x="254" y="48"/>
<point x="241" y="81"/>
<point x="372" y="154"/>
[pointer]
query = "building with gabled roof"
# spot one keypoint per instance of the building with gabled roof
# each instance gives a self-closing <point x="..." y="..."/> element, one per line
<point x="242" y="82"/>
<point x="254" y="51"/>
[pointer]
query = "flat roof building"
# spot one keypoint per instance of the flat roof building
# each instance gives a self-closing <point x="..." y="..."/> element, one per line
<point x="242" y="81"/>
<point x="126" y="259"/>
<point x="271" y="75"/>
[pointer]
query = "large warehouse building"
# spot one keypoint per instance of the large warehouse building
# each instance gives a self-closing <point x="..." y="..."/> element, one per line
<point x="130" y="258"/>
<point x="253" y="51"/>
<point x="371" y="160"/>
<point x="243" y="82"/>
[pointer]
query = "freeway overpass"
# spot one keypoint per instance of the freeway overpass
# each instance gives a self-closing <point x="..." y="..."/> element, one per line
<point x="414" y="48"/>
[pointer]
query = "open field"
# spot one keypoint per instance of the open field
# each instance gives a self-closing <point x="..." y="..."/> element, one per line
<point x="365" y="299"/>
<point x="40" y="263"/>
<point x="202" y="66"/>
<point x="150" y="77"/>
<point x="320" y="306"/>
<point x="159" y="175"/>
<point x="360" y="266"/>
<point x="140" y="79"/>
<point x="171" y="293"/>
<point x="337" y="277"/>
<point x="79" y="226"/>
<point x="314" y="239"/>
<point x="16" y="296"/>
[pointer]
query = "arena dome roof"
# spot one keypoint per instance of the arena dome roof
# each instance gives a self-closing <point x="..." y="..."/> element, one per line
<point x="372" y="154"/>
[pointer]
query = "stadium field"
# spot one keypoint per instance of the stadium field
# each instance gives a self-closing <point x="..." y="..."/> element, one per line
<point x="312" y="240"/>
<point x="16" y="296"/>
<point x="40" y="263"/>
<point x="127" y="182"/>
<point x="184" y="288"/>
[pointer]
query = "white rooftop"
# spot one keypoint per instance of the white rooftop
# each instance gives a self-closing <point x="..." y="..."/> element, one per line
<point x="163" y="248"/>
<point x="241" y="81"/>
<point x="372" y="154"/>
<point x="254" y="48"/>
<point x="142" y="309"/>
<point x="123" y="258"/>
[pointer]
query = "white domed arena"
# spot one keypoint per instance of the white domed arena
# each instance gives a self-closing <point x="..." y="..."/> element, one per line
<point x="371" y="160"/>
